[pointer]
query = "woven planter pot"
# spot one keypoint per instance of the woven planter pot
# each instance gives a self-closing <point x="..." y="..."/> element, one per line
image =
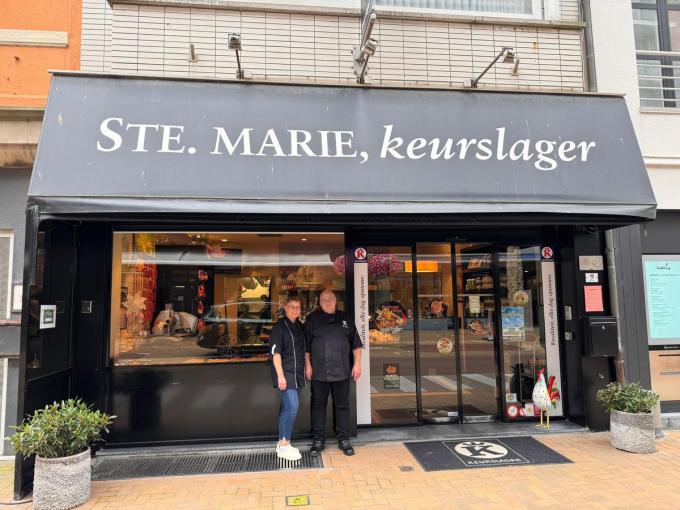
<point x="632" y="432"/>
<point x="62" y="483"/>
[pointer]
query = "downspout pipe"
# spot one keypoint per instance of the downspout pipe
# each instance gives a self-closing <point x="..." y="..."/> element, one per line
<point x="591" y="86"/>
<point x="589" y="51"/>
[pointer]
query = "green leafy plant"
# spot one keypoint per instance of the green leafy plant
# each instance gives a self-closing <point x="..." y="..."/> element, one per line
<point x="628" y="398"/>
<point x="61" y="429"/>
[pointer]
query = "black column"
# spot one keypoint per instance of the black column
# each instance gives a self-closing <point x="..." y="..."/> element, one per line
<point x="630" y="290"/>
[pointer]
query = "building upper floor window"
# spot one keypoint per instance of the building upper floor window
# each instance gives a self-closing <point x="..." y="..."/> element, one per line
<point x="6" y="238"/>
<point x="490" y="6"/>
<point x="657" y="41"/>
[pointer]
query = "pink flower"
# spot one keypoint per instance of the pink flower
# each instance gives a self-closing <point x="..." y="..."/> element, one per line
<point x="383" y="264"/>
<point x="339" y="265"/>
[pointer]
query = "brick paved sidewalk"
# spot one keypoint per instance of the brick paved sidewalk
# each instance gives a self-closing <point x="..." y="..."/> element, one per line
<point x="599" y="478"/>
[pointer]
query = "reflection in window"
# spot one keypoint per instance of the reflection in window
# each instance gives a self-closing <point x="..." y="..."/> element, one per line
<point x="651" y="83"/>
<point x="35" y="359"/>
<point x="213" y="297"/>
<point x="5" y="276"/>
<point x="521" y="319"/>
<point x="646" y="30"/>
<point x="495" y="6"/>
<point x="391" y="339"/>
<point x="674" y="29"/>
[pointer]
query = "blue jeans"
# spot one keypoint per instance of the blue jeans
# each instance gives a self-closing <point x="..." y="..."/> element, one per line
<point x="290" y="400"/>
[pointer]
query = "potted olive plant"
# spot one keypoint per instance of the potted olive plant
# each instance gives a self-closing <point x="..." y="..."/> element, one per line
<point x="60" y="436"/>
<point x="630" y="416"/>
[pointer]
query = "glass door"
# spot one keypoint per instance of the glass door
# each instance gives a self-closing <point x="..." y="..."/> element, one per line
<point x="391" y="335"/>
<point x="524" y="349"/>
<point x="477" y="344"/>
<point x="440" y="399"/>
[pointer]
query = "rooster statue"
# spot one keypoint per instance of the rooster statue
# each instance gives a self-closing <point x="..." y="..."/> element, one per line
<point x="545" y="396"/>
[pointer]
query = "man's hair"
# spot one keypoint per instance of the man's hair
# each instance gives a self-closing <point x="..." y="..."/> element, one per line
<point x="327" y="292"/>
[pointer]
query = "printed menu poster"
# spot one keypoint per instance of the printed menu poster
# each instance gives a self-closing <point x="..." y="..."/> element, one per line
<point x="662" y="285"/>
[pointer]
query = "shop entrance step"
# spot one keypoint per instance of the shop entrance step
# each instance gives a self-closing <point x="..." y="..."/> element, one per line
<point x="123" y="467"/>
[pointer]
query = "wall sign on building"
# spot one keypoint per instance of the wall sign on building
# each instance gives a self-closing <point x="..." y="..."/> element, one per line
<point x="662" y="289"/>
<point x="48" y="316"/>
<point x="330" y="149"/>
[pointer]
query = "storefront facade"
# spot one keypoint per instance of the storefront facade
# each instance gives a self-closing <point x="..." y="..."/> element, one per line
<point x="168" y="219"/>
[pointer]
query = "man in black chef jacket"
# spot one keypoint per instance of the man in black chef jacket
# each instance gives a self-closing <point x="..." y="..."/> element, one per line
<point x="333" y="356"/>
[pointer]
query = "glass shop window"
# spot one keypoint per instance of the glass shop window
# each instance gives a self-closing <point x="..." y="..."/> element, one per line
<point x="185" y="298"/>
<point x="522" y="330"/>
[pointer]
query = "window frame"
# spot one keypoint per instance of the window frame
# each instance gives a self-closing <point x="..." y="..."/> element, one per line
<point x="3" y="401"/>
<point x="671" y="98"/>
<point x="8" y="312"/>
<point x="540" y="10"/>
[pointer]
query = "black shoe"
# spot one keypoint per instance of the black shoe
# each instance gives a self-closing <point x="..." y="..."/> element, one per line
<point x="317" y="447"/>
<point x="346" y="447"/>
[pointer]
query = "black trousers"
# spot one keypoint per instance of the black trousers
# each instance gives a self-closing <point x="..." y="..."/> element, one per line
<point x="340" y="393"/>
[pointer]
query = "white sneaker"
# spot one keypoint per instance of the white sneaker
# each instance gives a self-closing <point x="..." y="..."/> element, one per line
<point x="278" y="447"/>
<point x="288" y="452"/>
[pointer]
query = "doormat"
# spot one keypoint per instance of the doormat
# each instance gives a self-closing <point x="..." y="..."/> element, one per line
<point x="484" y="452"/>
<point x="124" y="467"/>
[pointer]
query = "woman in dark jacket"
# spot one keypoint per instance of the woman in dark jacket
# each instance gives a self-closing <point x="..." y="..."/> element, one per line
<point x="287" y="348"/>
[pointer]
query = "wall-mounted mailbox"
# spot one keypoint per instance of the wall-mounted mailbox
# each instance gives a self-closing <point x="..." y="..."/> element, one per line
<point x="600" y="336"/>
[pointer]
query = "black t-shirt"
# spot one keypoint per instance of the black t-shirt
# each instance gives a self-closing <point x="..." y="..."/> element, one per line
<point x="331" y="338"/>
<point x="288" y="339"/>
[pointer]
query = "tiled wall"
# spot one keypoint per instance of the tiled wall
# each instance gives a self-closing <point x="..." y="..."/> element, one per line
<point x="317" y="48"/>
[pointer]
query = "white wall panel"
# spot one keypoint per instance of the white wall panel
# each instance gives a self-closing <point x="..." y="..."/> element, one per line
<point x="286" y="46"/>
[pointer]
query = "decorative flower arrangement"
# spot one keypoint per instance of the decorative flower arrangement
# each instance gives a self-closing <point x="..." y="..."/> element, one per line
<point x="339" y="265"/>
<point x="136" y="306"/>
<point x="381" y="264"/>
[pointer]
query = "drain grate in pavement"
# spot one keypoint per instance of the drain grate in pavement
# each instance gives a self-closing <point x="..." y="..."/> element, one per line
<point x="123" y="467"/>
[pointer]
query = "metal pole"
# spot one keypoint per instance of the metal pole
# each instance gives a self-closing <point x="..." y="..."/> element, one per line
<point x="476" y="80"/>
<point x="238" y="62"/>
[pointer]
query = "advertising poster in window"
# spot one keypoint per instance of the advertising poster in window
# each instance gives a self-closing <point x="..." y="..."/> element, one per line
<point x="512" y="323"/>
<point x="662" y="291"/>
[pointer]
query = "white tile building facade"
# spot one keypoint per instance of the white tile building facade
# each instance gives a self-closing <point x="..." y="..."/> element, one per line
<point x="312" y="42"/>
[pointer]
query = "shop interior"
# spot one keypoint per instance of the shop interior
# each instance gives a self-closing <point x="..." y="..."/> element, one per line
<point x="184" y="298"/>
<point x="467" y="345"/>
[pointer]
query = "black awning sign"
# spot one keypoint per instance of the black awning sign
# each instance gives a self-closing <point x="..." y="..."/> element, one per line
<point x="139" y="144"/>
<point x="117" y="133"/>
